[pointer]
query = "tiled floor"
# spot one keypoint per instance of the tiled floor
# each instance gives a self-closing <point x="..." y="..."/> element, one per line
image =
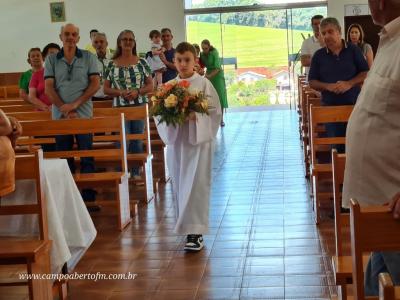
<point x="262" y="243"/>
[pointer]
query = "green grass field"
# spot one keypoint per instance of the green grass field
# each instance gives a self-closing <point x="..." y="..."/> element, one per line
<point x="253" y="46"/>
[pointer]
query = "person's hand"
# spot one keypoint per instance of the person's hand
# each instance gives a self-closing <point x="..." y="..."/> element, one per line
<point x="44" y="107"/>
<point x="163" y="58"/>
<point x="343" y="86"/>
<point x="132" y="94"/>
<point x="16" y="127"/>
<point x="72" y="115"/>
<point x="395" y="206"/>
<point x="66" y="108"/>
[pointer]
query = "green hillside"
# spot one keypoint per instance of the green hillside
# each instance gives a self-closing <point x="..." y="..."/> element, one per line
<point x="253" y="46"/>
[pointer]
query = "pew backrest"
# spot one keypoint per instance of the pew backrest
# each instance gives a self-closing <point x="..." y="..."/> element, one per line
<point x="373" y="229"/>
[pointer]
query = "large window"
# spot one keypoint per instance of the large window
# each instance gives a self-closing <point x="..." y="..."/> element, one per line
<point x="259" y="50"/>
<point x="193" y="4"/>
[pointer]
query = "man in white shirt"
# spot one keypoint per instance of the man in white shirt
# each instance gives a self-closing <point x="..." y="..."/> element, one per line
<point x="372" y="174"/>
<point x="312" y="44"/>
<point x="103" y="59"/>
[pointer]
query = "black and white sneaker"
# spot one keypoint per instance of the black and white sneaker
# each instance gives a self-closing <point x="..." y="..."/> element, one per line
<point x="194" y="242"/>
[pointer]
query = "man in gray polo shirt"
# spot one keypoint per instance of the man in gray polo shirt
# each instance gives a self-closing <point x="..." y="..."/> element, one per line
<point x="71" y="79"/>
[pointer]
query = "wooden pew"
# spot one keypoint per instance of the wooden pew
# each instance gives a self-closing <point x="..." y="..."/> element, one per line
<point x="387" y="291"/>
<point x="7" y="102"/>
<point x="342" y="261"/>
<point x="116" y="179"/>
<point x="373" y="229"/>
<point x="321" y="172"/>
<point x="17" y="108"/>
<point x="158" y="149"/>
<point x="33" y="253"/>
<point x="143" y="159"/>
<point x="9" y="91"/>
<point x="31" y="116"/>
<point x="310" y="100"/>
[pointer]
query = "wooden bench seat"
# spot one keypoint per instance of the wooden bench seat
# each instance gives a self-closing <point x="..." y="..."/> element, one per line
<point x="388" y="291"/>
<point x="35" y="131"/>
<point x="320" y="115"/>
<point x="34" y="253"/>
<point x="17" y="108"/>
<point x="144" y="159"/>
<point x="373" y="229"/>
<point x="9" y="91"/>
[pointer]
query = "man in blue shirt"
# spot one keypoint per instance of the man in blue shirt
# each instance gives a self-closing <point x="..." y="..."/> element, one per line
<point x="71" y="79"/>
<point x="168" y="56"/>
<point x="337" y="70"/>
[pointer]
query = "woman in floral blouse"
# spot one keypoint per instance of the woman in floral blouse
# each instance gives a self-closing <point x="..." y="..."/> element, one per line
<point x="128" y="80"/>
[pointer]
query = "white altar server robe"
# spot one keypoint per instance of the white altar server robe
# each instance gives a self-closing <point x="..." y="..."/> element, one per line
<point x="189" y="158"/>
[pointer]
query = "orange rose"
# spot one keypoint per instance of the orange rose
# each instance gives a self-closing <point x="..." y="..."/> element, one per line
<point x="184" y="83"/>
<point x="167" y="87"/>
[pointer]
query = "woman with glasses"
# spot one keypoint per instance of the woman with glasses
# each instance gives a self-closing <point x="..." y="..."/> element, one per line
<point x="128" y="79"/>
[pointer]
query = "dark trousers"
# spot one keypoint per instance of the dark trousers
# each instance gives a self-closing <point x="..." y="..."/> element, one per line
<point x="336" y="130"/>
<point x="84" y="142"/>
<point x="380" y="262"/>
<point x="134" y="146"/>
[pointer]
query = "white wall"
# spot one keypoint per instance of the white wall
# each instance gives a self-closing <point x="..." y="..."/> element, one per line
<point x="26" y="23"/>
<point x="336" y="8"/>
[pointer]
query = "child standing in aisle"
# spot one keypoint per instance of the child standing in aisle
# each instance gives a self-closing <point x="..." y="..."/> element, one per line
<point x="190" y="150"/>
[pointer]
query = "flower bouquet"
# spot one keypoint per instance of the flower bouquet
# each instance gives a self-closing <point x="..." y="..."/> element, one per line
<point x="174" y="101"/>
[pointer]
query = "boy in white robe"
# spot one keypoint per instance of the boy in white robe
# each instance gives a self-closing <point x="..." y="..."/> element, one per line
<point x="190" y="152"/>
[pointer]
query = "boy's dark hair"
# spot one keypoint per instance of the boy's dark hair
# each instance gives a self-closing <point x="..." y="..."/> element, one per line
<point x="93" y="30"/>
<point x="49" y="46"/>
<point x="185" y="47"/>
<point x="154" y="33"/>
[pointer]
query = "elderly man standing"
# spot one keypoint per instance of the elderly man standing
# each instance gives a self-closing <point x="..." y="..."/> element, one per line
<point x="103" y="59"/>
<point x="372" y="174"/>
<point x="71" y="79"/>
<point x="312" y="44"/>
<point x="337" y="71"/>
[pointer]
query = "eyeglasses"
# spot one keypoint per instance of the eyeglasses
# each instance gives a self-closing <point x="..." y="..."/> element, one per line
<point x="127" y="40"/>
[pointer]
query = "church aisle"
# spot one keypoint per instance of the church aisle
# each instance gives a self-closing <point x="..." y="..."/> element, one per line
<point x="262" y="244"/>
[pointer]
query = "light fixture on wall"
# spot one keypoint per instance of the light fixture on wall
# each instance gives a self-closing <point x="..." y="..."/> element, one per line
<point x="57" y="12"/>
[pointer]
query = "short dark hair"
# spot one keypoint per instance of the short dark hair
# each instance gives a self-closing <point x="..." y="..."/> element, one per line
<point x="185" y="47"/>
<point x="49" y="46"/>
<point x="317" y="17"/>
<point x="93" y="30"/>
<point x="331" y="21"/>
<point x="164" y="30"/>
<point x="154" y="33"/>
